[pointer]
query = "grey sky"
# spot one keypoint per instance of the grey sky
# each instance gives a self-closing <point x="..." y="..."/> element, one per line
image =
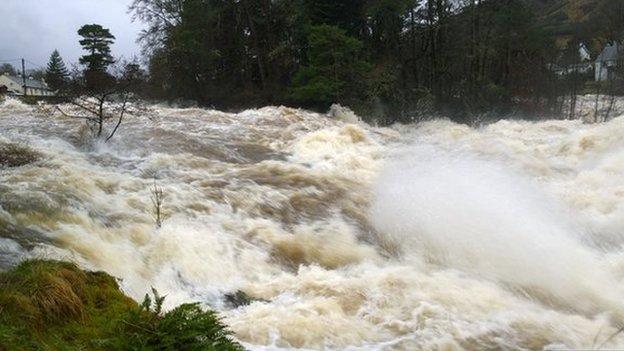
<point x="34" y="28"/>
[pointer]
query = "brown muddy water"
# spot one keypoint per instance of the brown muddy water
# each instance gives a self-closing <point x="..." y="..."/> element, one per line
<point x="434" y="236"/>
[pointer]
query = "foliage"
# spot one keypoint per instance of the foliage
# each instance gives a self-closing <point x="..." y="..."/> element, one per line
<point x="345" y="14"/>
<point x="50" y="305"/>
<point x="335" y="72"/>
<point x="103" y="97"/>
<point x="96" y="40"/>
<point x="37" y="74"/>
<point x="56" y="74"/>
<point x="469" y="56"/>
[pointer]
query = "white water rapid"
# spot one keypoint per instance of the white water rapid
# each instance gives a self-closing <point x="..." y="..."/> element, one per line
<point x="434" y="236"/>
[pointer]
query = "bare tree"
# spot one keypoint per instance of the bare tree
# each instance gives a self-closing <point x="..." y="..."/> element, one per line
<point x="158" y="196"/>
<point x="101" y="97"/>
<point x="160" y="15"/>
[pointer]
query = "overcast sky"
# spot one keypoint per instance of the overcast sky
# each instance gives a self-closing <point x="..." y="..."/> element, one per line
<point x="34" y="28"/>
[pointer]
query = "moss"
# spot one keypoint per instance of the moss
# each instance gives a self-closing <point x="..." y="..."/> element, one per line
<point x="51" y="305"/>
<point x="16" y="155"/>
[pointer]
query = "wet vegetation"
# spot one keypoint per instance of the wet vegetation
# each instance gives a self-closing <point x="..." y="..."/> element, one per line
<point x="51" y="305"/>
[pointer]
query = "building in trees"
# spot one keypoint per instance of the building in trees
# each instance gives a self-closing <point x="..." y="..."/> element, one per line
<point x="573" y="62"/>
<point x="8" y="69"/>
<point x="607" y="62"/>
<point x="15" y="85"/>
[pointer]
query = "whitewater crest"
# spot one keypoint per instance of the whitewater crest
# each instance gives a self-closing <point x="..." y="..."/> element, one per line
<point x="345" y="236"/>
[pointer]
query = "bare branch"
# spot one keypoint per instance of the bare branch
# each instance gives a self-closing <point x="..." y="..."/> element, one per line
<point x="76" y="117"/>
<point x="74" y="102"/>
<point x="121" y="114"/>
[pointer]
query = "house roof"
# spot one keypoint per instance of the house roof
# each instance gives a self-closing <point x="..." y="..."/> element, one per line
<point x="31" y="83"/>
<point x="611" y="52"/>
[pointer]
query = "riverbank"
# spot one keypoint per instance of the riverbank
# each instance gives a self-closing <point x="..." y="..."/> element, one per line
<point x="53" y="305"/>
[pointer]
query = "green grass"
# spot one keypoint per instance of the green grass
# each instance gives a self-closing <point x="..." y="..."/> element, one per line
<point x="51" y="305"/>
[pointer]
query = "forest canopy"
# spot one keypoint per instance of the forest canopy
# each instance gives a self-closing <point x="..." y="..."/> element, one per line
<point x="384" y="58"/>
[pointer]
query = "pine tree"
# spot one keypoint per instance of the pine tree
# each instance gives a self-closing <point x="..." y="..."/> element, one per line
<point x="56" y="74"/>
<point x="97" y="41"/>
<point x="335" y="72"/>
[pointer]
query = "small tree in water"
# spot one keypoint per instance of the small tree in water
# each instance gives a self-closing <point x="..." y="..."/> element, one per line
<point x="102" y="94"/>
<point x="101" y="99"/>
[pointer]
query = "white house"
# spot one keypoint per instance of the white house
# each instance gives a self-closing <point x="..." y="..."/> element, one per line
<point x="608" y="60"/>
<point x="583" y="65"/>
<point x="15" y="85"/>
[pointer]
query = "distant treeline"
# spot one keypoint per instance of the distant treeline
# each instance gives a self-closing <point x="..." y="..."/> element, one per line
<point x="390" y="60"/>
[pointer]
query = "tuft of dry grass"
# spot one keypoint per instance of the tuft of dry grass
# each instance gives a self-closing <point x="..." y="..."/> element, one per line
<point x="46" y="291"/>
<point x="57" y="299"/>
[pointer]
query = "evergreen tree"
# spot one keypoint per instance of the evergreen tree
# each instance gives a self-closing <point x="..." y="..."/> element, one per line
<point x="346" y="14"/>
<point x="56" y="73"/>
<point x="335" y="72"/>
<point x="96" y="41"/>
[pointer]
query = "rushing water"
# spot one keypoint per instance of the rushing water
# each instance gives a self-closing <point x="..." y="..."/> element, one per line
<point x="435" y="236"/>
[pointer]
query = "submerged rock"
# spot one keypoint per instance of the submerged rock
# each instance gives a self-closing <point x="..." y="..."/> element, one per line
<point x="16" y="155"/>
<point x="239" y="298"/>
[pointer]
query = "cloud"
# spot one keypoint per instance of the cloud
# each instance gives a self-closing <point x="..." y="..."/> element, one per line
<point x="34" y="28"/>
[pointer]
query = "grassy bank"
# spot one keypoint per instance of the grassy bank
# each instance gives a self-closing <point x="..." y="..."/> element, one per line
<point x="50" y="305"/>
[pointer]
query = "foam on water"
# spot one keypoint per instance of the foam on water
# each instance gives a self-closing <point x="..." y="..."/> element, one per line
<point x="467" y="213"/>
<point x="435" y="236"/>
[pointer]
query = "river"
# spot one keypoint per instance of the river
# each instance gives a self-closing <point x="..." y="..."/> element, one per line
<point x="432" y="236"/>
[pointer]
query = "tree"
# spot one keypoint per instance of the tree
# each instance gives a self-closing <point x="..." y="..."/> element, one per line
<point x="161" y="16"/>
<point x="56" y="73"/>
<point x="96" y="40"/>
<point x="345" y="14"/>
<point x="392" y="57"/>
<point x="103" y="104"/>
<point x="37" y="74"/>
<point x="133" y="77"/>
<point x="101" y="96"/>
<point x="8" y="69"/>
<point x="335" y="72"/>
